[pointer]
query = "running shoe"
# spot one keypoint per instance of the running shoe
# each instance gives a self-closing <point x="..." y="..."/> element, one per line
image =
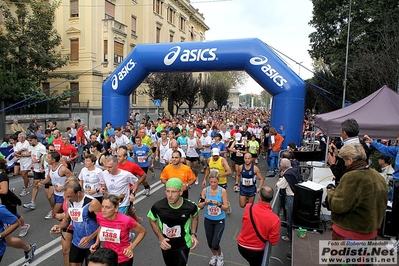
<point x="219" y="261"/>
<point x="24" y="230"/>
<point x="229" y="210"/>
<point x="146" y="192"/>
<point x="213" y="260"/>
<point x="30" y="205"/>
<point x="30" y="254"/>
<point x="196" y="181"/>
<point x="24" y="192"/>
<point x="49" y="215"/>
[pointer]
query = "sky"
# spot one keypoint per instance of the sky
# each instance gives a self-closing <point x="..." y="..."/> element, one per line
<point x="282" y="24"/>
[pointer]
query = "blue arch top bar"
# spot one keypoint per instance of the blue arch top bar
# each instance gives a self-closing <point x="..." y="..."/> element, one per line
<point x="250" y="55"/>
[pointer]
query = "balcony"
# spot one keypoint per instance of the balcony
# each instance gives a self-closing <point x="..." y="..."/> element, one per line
<point x="115" y="26"/>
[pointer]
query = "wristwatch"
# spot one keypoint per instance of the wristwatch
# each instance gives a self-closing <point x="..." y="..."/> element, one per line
<point x="194" y="234"/>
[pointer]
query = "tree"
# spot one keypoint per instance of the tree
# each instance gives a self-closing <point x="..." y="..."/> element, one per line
<point x="192" y="94"/>
<point x="158" y="86"/>
<point x="233" y="79"/>
<point x="207" y="92"/>
<point x="373" y="44"/>
<point x="265" y="97"/>
<point x="182" y="84"/>
<point x="221" y="94"/>
<point x="28" y="49"/>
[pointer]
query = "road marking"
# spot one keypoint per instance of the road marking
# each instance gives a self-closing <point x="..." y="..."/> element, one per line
<point x="156" y="186"/>
<point x="38" y="251"/>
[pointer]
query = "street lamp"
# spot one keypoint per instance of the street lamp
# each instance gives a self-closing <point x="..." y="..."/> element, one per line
<point x="347" y="52"/>
<point x="299" y="68"/>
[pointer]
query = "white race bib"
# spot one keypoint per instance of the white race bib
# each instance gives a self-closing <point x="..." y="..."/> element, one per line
<point x="184" y="147"/>
<point x="88" y="186"/>
<point x="239" y="154"/>
<point x="247" y="181"/>
<point x="214" y="210"/>
<point x="141" y="159"/>
<point x="171" y="232"/>
<point x="110" y="235"/>
<point x="76" y="214"/>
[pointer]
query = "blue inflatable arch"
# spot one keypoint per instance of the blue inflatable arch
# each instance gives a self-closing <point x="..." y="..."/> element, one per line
<point x="251" y="55"/>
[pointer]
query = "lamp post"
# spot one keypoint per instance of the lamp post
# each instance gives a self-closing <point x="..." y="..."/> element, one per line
<point x="347" y="52"/>
<point x="299" y="68"/>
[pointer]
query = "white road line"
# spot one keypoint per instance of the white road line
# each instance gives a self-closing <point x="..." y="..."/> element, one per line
<point x="56" y="242"/>
<point x="39" y="250"/>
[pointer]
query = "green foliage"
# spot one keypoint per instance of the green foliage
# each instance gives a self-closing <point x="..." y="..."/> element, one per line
<point x="192" y="92"/>
<point x="28" y="48"/>
<point x="221" y="94"/>
<point x="207" y="92"/>
<point x="233" y="79"/>
<point x="373" y="48"/>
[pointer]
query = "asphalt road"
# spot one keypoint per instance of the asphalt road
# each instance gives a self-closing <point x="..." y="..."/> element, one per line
<point x="147" y="252"/>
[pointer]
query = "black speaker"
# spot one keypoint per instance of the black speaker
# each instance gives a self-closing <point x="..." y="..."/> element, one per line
<point x="307" y="204"/>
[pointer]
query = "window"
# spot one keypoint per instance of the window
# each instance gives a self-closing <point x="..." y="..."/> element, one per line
<point x="74" y="92"/>
<point x="118" y="52"/>
<point x="105" y="50"/>
<point x="74" y="4"/>
<point x="201" y="37"/>
<point x="75" y="50"/>
<point x="182" y="39"/>
<point x="45" y="88"/>
<point x="158" y="35"/>
<point x="171" y="37"/>
<point x="133" y="24"/>
<point x="109" y="10"/>
<point x="182" y="25"/>
<point x="157" y="6"/>
<point x="171" y="15"/>
<point x="134" y="97"/>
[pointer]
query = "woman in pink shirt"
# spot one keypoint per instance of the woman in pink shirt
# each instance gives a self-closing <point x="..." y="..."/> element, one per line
<point x="115" y="231"/>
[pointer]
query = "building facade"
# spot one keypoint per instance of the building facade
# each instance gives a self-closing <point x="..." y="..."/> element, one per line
<point x="98" y="35"/>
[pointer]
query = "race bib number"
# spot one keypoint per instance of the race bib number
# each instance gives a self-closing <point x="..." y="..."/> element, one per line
<point x="65" y="158"/>
<point x="57" y="147"/>
<point x="89" y="186"/>
<point x="247" y="182"/>
<point x="184" y="147"/>
<point x="239" y="154"/>
<point x="141" y="159"/>
<point x="214" y="210"/>
<point x="76" y="214"/>
<point x="110" y="235"/>
<point x="171" y="232"/>
<point x="192" y="148"/>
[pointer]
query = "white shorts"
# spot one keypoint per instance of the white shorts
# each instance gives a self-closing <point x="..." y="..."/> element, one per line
<point x="25" y="165"/>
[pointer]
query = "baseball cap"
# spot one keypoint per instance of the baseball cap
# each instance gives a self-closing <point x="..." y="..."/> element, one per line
<point x="238" y="136"/>
<point x="215" y="151"/>
<point x="204" y="131"/>
<point x="174" y="183"/>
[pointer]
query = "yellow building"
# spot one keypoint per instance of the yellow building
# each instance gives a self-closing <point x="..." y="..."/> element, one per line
<point x="99" y="34"/>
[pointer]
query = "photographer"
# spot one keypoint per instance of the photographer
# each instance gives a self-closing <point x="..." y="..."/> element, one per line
<point x="359" y="202"/>
<point x="349" y="133"/>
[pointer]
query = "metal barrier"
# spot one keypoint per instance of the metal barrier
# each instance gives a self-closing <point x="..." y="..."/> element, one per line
<point x="267" y="254"/>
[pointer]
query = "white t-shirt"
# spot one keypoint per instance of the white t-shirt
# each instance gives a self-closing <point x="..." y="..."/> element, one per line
<point x="168" y="154"/>
<point x="20" y="146"/>
<point x="91" y="180"/>
<point x="122" y="140"/>
<point x="36" y="153"/>
<point x="206" y="141"/>
<point x="119" y="184"/>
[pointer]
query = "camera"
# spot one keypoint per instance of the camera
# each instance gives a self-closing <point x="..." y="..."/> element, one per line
<point x="325" y="202"/>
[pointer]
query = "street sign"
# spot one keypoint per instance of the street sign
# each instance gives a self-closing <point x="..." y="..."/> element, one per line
<point x="157" y="103"/>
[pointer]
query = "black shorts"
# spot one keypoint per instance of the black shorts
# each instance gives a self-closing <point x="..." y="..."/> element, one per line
<point x="153" y="149"/>
<point x="49" y="184"/>
<point x="254" y="155"/>
<point x="38" y="175"/>
<point x="78" y="255"/>
<point x="192" y="159"/>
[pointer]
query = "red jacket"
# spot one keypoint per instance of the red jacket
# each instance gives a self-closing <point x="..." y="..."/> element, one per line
<point x="267" y="223"/>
